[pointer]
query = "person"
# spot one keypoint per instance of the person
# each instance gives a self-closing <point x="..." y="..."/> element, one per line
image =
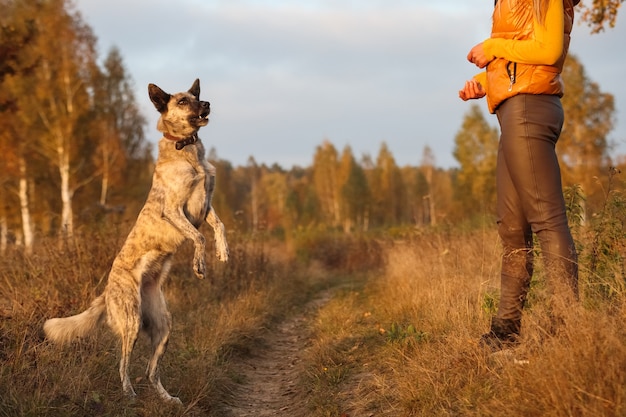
<point x="523" y="60"/>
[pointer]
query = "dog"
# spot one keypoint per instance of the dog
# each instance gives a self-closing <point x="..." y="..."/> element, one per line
<point x="179" y="201"/>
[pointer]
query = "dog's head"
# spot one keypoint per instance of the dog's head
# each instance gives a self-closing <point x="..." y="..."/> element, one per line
<point x="182" y="114"/>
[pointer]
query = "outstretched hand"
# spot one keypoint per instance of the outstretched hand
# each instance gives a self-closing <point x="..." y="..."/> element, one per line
<point x="472" y="90"/>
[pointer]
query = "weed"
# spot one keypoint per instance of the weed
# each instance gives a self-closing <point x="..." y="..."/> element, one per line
<point x="490" y="303"/>
<point x="606" y="254"/>
<point x="405" y="334"/>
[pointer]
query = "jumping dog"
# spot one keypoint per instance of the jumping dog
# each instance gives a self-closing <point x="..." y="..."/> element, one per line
<point x="178" y="203"/>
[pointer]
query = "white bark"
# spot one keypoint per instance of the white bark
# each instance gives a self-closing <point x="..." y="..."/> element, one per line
<point x="67" y="223"/>
<point x="27" y="227"/>
<point x="104" y="188"/>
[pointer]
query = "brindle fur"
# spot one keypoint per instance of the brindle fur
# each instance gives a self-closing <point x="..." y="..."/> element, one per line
<point x="178" y="203"/>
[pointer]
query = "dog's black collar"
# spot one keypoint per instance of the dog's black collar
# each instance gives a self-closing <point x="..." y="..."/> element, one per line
<point x="181" y="143"/>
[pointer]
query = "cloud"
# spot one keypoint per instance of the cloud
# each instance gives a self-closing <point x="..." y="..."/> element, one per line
<point x="282" y="75"/>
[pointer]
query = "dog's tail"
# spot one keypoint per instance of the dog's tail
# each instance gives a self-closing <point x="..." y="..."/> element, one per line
<point x="64" y="330"/>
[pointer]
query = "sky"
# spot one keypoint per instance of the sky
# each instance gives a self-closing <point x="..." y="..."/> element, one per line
<point x="283" y="76"/>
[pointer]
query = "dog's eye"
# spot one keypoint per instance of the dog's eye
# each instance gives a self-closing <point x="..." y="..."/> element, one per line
<point x="183" y="101"/>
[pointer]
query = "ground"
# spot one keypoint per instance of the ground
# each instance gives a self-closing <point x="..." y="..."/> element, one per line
<point x="269" y="376"/>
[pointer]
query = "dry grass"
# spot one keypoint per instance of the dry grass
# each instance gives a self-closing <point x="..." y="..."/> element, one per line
<point x="213" y="320"/>
<point x="406" y="343"/>
<point x="398" y="340"/>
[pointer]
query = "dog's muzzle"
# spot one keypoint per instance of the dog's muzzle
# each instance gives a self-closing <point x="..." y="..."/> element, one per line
<point x="205" y="110"/>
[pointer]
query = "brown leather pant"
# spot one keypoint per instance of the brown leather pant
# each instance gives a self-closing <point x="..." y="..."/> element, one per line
<point x="530" y="199"/>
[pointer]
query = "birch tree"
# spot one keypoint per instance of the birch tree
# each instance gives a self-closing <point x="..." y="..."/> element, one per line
<point x="119" y="123"/>
<point x="254" y="176"/>
<point x="18" y="58"/>
<point x="428" y="170"/>
<point x="61" y="98"/>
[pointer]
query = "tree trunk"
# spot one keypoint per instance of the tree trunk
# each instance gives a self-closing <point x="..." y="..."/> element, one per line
<point x="107" y="150"/>
<point x="104" y="189"/>
<point x="254" y="202"/>
<point x="431" y="211"/>
<point x="67" y="224"/>
<point x="27" y="227"/>
<point x="432" y="219"/>
<point x="4" y="235"/>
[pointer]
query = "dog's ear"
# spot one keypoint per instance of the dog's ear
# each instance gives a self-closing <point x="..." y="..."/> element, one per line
<point x="158" y="97"/>
<point x="195" y="89"/>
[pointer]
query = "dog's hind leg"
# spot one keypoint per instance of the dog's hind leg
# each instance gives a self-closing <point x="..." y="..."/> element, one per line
<point x="157" y="322"/>
<point x="123" y="318"/>
<point x="128" y="343"/>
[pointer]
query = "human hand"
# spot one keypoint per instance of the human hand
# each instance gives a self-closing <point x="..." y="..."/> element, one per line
<point x="477" y="56"/>
<point x="472" y="90"/>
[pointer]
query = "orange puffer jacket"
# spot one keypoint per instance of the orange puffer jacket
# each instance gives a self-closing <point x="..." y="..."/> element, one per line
<point x="513" y="20"/>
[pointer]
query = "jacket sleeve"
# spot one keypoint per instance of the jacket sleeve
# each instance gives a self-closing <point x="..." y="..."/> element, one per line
<point x="546" y="46"/>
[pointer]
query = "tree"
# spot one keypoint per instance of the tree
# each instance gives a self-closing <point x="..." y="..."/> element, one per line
<point x="17" y="34"/>
<point x="18" y="59"/>
<point x="273" y="189"/>
<point x="600" y="13"/>
<point x="326" y="182"/>
<point x="59" y="114"/>
<point x="355" y="193"/>
<point x="254" y="174"/>
<point x="302" y="205"/>
<point x="387" y="187"/>
<point x="583" y="146"/>
<point x="428" y="168"/>
<point x="119" y="123"/>
<point x="60" y="98"/>
<point x="476" y="148"/>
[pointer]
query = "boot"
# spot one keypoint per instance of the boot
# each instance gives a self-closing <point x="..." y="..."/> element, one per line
<point x="504" y="334"/>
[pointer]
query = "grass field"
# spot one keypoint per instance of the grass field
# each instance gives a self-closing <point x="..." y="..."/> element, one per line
<point x="406" y="343"/>
<point x="398" y="337"/>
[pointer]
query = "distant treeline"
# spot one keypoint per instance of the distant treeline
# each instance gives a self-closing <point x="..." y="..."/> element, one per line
<point x="73" y="152"/>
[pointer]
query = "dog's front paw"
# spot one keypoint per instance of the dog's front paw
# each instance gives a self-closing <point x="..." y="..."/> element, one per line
<point x="199" y="267"/>
<point x="222" y="253"/>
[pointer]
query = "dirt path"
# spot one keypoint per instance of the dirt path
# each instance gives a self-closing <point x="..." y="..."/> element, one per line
<point x="270" y="375"/>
